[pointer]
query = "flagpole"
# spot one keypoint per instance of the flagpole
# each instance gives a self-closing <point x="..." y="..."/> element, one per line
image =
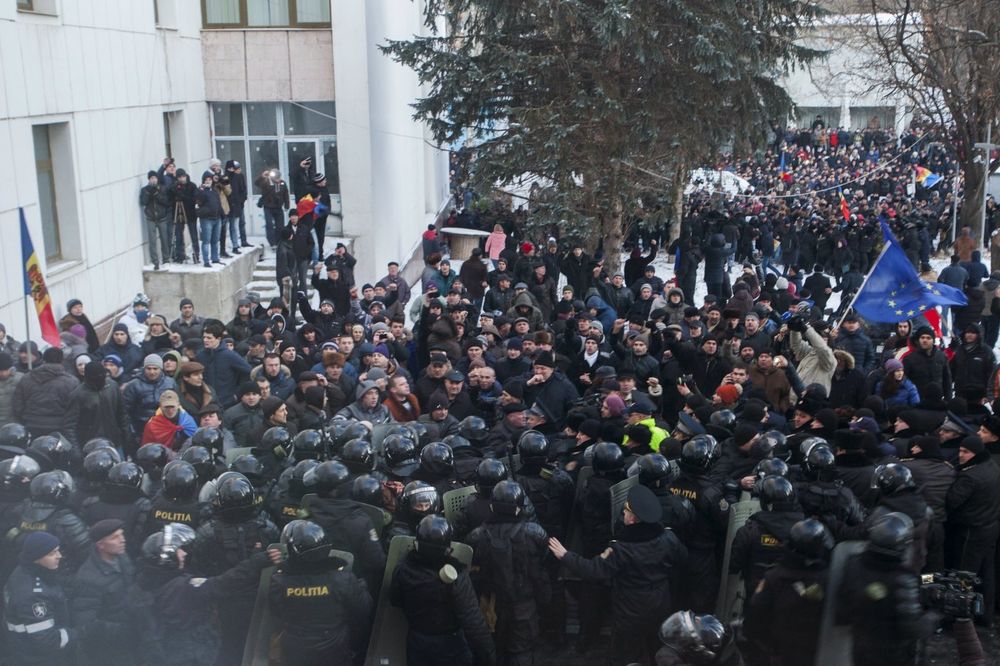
<point x="885" y="248"/>
<point x="27" y="333"/>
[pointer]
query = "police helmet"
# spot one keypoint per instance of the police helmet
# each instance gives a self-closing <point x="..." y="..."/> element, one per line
<point x="473" y="428"/>
<point x="698" y="638"/>
<point x="892" y="478"/>
<point x="97" y="443"/>
<point x="714" y="450"/>
<point x="434" y="535"/>
<point x="17" y="472"/>
<point x="489" y="473"/>
<point x="533" y="445"/>
<point x="771" y="467"/>
<point x="778" y="444"/>
<point x="277" y="439"/>
<point x="124" y="475"/>
<point x="160" y="548"/>
<point x="437" y="459"/>
<point x="724" y="418"/>
<point x="309" y="445"/>
<point x="152" y="458"/>
<point x="55" y="487"/>
<point x="891" y="534"/>
<point x="809" y="443"/>
<point x="608" y="457"/>
<point x="210" y="438"/>
<point x="654" y="470"/>
<point x="358" y="455"/>
<point x="327" y="477"/>
<point x="97" y="464"/>
<point x="696" y="455"/>
<point x="56" y="449"/>
<point x="507" y="498"/>
<point x="420" y="432"/>
<point x="249" y="466"/>
<point x="419" y="499"/>
<point x="180" y="481"/>
<point x="776" y="492"/>
<point x="367" y="490"/>
<point x="14" y="435"/>
<point x="457" y="442"/>
<point x="819" y="461"/>
<point x="401" y="454"/>
<point x="297" y="484"/>
<point x="234" y="494"/>
<point x="811" y="540"/>
<point x="398" y="429"/>
<point x="355" y="430"/>
<point x="306" y="541"/>
<point x="202" y="460"/>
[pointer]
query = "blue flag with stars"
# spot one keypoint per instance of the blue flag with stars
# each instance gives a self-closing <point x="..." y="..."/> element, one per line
<point x="894" y="292"/>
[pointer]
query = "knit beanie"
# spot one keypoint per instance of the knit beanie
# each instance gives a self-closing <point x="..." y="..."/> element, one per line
<point x="36" y="546"/>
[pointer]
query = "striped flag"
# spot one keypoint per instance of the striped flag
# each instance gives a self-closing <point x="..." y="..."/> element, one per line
<point x="34" y="286"/>
<point x="845" y="210"/>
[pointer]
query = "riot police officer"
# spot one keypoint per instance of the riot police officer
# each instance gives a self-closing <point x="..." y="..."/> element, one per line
<point x="273" y="450"/>
<point x="657" y="473"/>
<point x="696" y="640"/>
<point x="437" y="467"/>
<point x="822" y="495"/>
<point x="152" y="458"/>
<point x="467" y="457"/>
<point x="476" y="509"/>
<point x="324" y="610"/>
<point x="510" y="551"/>
<point x="346" y="525"/>
<point x="96" y="466"/>
<point x="48" y="510"/>
<point x="235" y="532"/>
<point x="445" y="624"/>
<point x="880" y="599"/>
<point x="758" y="543"/>
<point x="358" y="456"/>
<point x="897" y="491"/>
<point x="283" y="506"/>
<point x="784" y="615"/>
<point x="37" y="612"/>
<point x="121" y="497"/>
<point x="177" y="499"/>
<point x="15" y="478"/>
<point x="709" y="527"/>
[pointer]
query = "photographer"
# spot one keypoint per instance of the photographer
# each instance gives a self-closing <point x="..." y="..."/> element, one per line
<point x="155" y="202"/>
<point x="237" y="201"/>
<point x="210" y="213"/>
<point x="184" y="195"/>
<point x="224" y="189"/>
<point x="274" y="201"/>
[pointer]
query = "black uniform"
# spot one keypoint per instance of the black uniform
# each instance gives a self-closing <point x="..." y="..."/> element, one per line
<point x="64" y="524"/>
<point x="702" y="539"/>
<point x="37" y="618"/>
<point x="350" y="529"/>
<point x="446" y="626"/>
<point x="641" y="569"/>
<point x="325" y="613"/>
<point x="784" y="615"/>
<point x="759" y="543"/>
<point x="881" y="601"/>
<point x="164" y="511"/>
<point x="829" y="502"/>
<point x="510" y="552"/>
<point x="125" y="504"/>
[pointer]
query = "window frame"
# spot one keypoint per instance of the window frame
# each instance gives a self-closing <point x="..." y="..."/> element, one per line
<point x="25" y="5"/>
<point x="47" y="165"/>
<point x="243" y="24"/>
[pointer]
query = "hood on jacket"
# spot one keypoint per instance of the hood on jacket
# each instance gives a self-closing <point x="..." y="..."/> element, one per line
<point x="846" y="357"/>
<point x="524" y="298"/>
<point x="176" y="355"/>
<point x="717" y="240"/>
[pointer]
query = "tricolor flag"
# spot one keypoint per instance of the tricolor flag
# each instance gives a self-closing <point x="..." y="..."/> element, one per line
<point x="782" y="173"/>
<point x="34" y="286"/>
<point x="845" y="210"/>
<point x="926" y="177"/>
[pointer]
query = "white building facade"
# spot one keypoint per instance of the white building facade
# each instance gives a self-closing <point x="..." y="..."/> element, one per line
<point x="95" y="94"/>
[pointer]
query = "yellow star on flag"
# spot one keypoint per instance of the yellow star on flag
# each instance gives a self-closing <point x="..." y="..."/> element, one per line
<point x="892" y="303"/>
<point x="911" y="313"/>
<point x="899" y="312"/>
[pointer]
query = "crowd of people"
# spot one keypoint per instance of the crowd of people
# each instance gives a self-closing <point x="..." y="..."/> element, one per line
<point x="144" y="478"/>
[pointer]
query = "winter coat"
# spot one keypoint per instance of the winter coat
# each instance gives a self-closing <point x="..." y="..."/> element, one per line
<point x="376" y="416"/>
<point x="555" y="398"/>
<point x="130" y="354"/>
<point x="858" y="345"/>
<point x="225" y="370"/>
<point x="473" y="275"/>
<point x="69" y="321"/>
<point x="41" y="398"/>
<point x="495" y="244"/>
<point x="972" y="366"/>
<point x="95" y="413"/>
<point x="189" y="330"/>
<point x="209" y="203"/>
<point x="775" y="385"/>
<point x="156" y="203"/>
<point x="536" y="321"/>
<point x="141" y="399"/>
<point x="906" y="394"/>
<point x="241" y="421"/>
<point x="7" y="387"/>
<point x="715" y="259"/>
<point x="954" y="276"/>
<point x="815" y="360"/>
<point x="850" y="386"/>
<point x="923" y="368"/>
<point x="272" y="195"/>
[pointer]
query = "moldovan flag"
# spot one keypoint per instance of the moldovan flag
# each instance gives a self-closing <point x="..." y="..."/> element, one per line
<point x="845" y="210"/>
<point x="34" y="286"/>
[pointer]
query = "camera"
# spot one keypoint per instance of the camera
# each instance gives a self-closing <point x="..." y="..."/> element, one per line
<point x="952" y="593"/>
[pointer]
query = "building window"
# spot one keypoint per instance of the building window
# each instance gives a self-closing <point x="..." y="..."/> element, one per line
<point x="167" y="139"/>
<point x="25" y="5"/>
<point x="266" y="13"/>
<point x="279" y="136"/>
<point x="47" y="191"/>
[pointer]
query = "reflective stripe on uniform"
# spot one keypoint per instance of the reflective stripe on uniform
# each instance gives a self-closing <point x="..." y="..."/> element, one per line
<point x="31" y="628"/>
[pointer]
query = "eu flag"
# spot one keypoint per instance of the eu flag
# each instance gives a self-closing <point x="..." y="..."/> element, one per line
<point x="894" y="292"/>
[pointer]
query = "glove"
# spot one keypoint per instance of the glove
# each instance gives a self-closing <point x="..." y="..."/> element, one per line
<point x="660" y="326"/>
<point x="797" y="323"/>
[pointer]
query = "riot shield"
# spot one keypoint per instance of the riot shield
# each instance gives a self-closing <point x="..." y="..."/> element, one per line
<point x="378" y="434"/>
<point x="260" y="648"/>
<point x="619" y="493"/>
<point x="387" y="645"/>
<point x="233" y="454"/>
<point x="835" y="643"/>
<point x="454" y="500"/>
<point x="380" y="517"/>
<point x="731" y="593"/>
<point x="574" y="534"/>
